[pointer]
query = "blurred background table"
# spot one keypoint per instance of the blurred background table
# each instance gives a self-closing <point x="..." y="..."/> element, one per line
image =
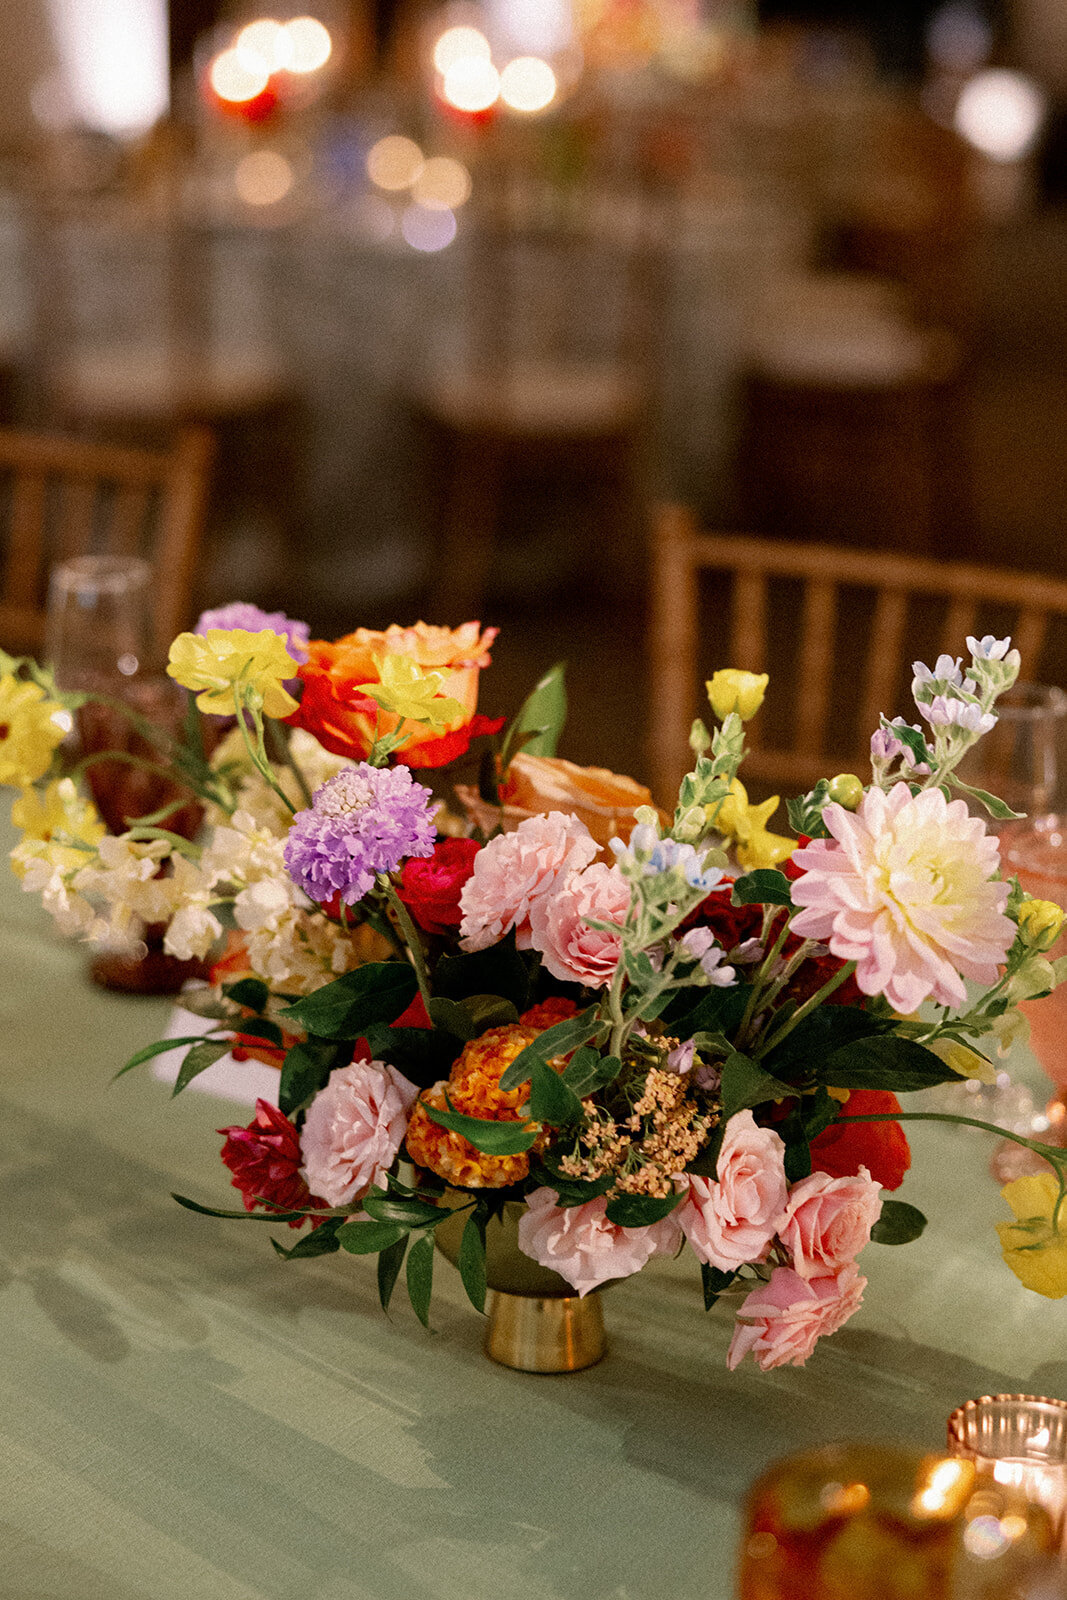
<point x="183" y="1415"/>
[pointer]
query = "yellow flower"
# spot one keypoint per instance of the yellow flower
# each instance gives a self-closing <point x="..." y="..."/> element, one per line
<point x="55" y="825"/>
<point x="732" y="690"/>
<point x="411" y="694"/>
<point x="1035" y="1252"/>
<point x="962" y="1059"/>
<point x="31" y="726"/>
<point x="1040" y="923"/>
<point x="746" y="825"/>
<point x="215" y="662"/>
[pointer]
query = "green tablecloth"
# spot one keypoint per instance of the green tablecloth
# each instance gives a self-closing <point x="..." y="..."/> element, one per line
<point x="183" y="1415"/>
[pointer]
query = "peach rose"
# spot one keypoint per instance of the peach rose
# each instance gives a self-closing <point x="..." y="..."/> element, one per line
<point x="828" y="1221"/>
<point x="343" y="720"/>
<point x="581" y="1244"/>
<point x="781" y="1322"/>
<point x="731" y="1219"/>
<point x="559" y="925"/>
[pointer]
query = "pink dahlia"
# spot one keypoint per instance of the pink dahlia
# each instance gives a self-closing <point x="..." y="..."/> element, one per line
<point x="828" y="1221"/>
<point x="560" y="925"/>
<point x="514" y="871"/>
<point x="265" y="1161"/>
<point x="781" y="1322"/>
<point x="731" y="1219"/>
<point x="354" y="1128"/>
<point x="905" y="889"/>
<point x="581" y="1244"/>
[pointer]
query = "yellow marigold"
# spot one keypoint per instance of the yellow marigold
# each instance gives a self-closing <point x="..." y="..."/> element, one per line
<point x="473" y="1087"/>
<point x="55" y="825"/>
<point x="1033" y="1249"/>
<point x="31" y="726"/>
<point x="215" y="662"/>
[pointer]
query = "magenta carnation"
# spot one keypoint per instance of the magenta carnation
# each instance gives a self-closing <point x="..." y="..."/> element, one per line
<point x="265" y="1161"/>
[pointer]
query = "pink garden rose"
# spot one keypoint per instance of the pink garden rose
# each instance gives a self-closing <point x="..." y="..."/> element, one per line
<point x="514" y="871"/>
<point x="354" y="1128"/>
<point x="731" y="1219"/>
<point x="906" y="889"/>
<point x="559" y="926"/>
<point x="581" y="1244"/>
<point x="781" y="1322"/>
<point x="828" y="1221"/>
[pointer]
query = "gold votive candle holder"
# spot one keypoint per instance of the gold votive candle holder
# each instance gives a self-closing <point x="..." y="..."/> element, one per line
<point x="1020" y="1442"/>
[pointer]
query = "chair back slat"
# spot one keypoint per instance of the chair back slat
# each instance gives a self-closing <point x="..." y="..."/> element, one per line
<point x="22" y="570"/>
<point x="77" y="520"/>
<point x="129" y="516"/>
<point x="872" y="656"/>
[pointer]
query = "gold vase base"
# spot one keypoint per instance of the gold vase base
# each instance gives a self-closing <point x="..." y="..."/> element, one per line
<point x="544" y="1335"/>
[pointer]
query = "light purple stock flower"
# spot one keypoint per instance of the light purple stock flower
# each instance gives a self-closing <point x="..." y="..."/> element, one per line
<point x="242" y="614"/>
<point x="362" y="822"/>
<point x="945" y="713"/>
<point x="700" y="944"/>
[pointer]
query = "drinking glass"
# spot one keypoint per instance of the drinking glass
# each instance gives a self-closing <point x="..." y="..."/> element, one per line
<point x="1037" y="853"/>
<point x="1018" y="758"/>
<point x="1019" y="1440"/>
<point x="876" y="1522"/>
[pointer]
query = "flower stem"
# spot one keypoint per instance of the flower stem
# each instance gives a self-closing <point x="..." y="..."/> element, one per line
<point x="414" y="943"/>
<point x="1055" y="1156"/>
<point x="806" y="1009"/>
<point x="258" y="757"/>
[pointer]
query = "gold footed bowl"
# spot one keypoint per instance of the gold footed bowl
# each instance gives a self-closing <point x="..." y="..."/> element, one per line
<point x="536" y="1321"/>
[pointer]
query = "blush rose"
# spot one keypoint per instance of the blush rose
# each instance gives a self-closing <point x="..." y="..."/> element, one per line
<point x="731" y="1219"/>
<point x="354" y="1128"/>
<point x="781" y="1322"/>
<point x="828" y="1221"/>
<point x="559" y="925"/>
<point x="581" y="1244"/>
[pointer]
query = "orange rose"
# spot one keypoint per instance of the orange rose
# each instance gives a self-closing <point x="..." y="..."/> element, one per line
<point x="344" y="720"/>
<point x="605" y="801"/>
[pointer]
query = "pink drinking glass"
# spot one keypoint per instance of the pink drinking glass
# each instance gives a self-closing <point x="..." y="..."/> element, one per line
<point x="1037" y="852"/>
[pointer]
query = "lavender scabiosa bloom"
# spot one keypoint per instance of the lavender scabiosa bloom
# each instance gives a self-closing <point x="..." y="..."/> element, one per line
<point x="362" y="822"/>
<point x="242" y="614"/>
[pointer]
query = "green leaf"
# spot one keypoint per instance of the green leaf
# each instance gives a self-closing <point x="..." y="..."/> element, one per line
<point x="714" y="1282"/>
<point x="744" y="1085"/>
<point x="420" y="1276"/>
<point x="322" y="1241"/>
<point x="365" y="1238"/>
<point x="766" y="886"/>
<point x="910" y="737"/>
<point x="818" y="1111"/>
<point x="717" y="1011"/>
<point x="569" y="1191"/>
<point x="390" y="1260"/>
<point x="198" y="1059"/>
<point x="471" y="1260"/>
<point x="818" y="1035"/>
<point x="239" y="1216"/>
<point x="898" y="1224"/>
<point x="380" y="991"/>
<point x="797" y="1160"/>
<point x="259" y="1028"/>
<point x="542" y="714"/>
<point x="492" y="1138"/>
<point x="423" y="1055"/>
<point x="453" y="1018"/>
<point x="552" y="1100"/>
<point x="994" y="805"/>
<point x="501" y="970"/>
<point x="639" y="1210"/>
<point x="587" y="1071"/>
<point x="160" y="1048"/>
<point x="306" y="1067"/>
<point x="559" y="1040"/>
<point x="412" y="1213"/>
<point x="490" y="1011"/>
<point x="250" y="992"/>
<point x="885" y="1061"/>
<point x="805" y="811"/>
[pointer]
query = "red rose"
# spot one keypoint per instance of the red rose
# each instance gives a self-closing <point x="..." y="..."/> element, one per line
<point x="265" y="1161"/>
<point x="430" y="886"/>
<point x="844" y="1147"/>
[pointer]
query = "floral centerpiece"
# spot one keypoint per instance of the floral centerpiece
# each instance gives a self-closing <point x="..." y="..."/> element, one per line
<point x="641" y="1032"/>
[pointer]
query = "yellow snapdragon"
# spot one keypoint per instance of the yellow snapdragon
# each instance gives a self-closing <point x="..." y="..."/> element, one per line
<point x="31" y="726"/>
<point x="730" y="689"/>
<point x="1034" y="1250"/>
<point x="412" y="694"/>
<point x="58" y="826"/>
<point x="1040" y="923"/>
<point x="745" y="825"/>
<point x="214" y="663"/>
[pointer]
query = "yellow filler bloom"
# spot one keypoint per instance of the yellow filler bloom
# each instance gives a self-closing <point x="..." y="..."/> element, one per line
<point x="729" y="689"/>
<point x="58" y="826"/>
<point x="31" y="726"/>
<point x="1033" y="1249"/>
<point x="213" y="664"/>
<point x="1040" y="923"/>
<point x="411" y="694"/>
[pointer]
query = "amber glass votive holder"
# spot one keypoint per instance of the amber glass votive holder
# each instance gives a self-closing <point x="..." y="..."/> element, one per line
<point x="1020" y="1442"/>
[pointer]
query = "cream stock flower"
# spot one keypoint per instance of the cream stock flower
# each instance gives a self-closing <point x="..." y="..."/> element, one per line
<point x="905" y="888"/>
<point x="223" y="660"/>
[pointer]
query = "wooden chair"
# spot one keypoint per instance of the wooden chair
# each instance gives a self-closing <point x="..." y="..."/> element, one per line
<point x="837" y="629"/>
<point x="65" y="497"/>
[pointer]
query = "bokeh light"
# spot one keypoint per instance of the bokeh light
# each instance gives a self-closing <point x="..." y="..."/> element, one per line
<point x="443" y="184"/>
<point x="1001" y="113"/>
<point x="310" y="44"/>
<point x="427" y="230"/>
<point x="263" y="178"/>
<point x="232" y="80"/>
<point x="471" y="84"/>
<point x="528" y="84"/>
<point x="394" y="163"/>
<point x="264" y="46"/>
<point x="460" y="44"/>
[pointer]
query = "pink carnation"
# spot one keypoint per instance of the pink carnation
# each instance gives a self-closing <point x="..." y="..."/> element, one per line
<point x="905" y="888"/>
<point x="514" y="871"/>
<point x="781" y="1322"/>
<point x="559" y="925"/>
<point x="731" y="1219"/>
<point x="828" y="1221"/>
<point x="581" y="1244"/>
<point x="354" y="1128"/>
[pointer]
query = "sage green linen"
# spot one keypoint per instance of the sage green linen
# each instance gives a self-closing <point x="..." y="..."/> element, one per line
<point x="183" y="1415"/>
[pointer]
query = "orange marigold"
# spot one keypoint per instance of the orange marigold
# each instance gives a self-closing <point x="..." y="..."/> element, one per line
<point x="473" y="1087"/>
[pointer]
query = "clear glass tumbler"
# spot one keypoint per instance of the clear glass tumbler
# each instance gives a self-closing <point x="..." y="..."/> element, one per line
<point x="1020" y="1441"/>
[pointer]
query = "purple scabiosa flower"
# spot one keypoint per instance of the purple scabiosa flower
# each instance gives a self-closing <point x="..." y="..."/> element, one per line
<point x="242" y="614"/>
<point x="362" y="822"/>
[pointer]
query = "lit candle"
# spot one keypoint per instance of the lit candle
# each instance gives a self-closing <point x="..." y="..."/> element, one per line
<point x="1019" y="1441"/>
